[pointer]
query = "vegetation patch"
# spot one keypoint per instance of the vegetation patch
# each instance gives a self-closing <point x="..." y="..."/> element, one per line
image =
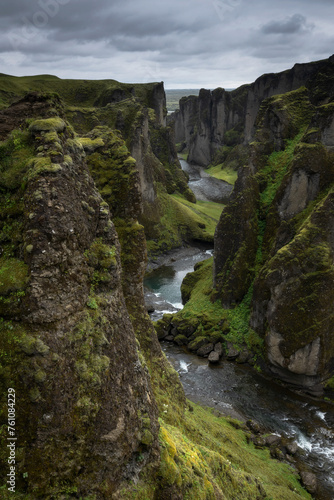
<point x="55" y="124"/>
<point x="226" y="174"/>
<point x="13" y="275"/>
<point x="180" y="222"/>
<point x="90" y="145"/>
<point x="207" y="456"/>
<point x="41" y="166"/>
<point x="15" y="154"/>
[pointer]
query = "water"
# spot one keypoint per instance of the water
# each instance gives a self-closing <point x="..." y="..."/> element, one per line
<point x="239" y="391"/>
<point x="205" y="187"/>
<point x="163" y="284"/>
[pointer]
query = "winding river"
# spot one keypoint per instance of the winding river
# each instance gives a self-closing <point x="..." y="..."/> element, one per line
<point x="237" y="390"/>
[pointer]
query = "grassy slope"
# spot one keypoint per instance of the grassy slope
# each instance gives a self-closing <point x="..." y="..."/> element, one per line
<point x="208" y="211"/>
<point x="72" y="91"/>
<point x="225" y="174"/>
<point x="182" y="220"/>
<point x="207" y="457"/>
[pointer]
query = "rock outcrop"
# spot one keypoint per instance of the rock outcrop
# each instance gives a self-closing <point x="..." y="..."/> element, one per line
<point x="274" y="241"/>
<point x="86" y="409"/>
<point x="218" y="118"/>
<point x="138" y="112"/>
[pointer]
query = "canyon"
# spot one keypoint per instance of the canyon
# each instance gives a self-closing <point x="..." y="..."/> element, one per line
<point x="91" y="187"/>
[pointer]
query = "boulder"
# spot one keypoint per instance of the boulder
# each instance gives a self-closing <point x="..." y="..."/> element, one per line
<point x="244" y="356"/>
<point x="232" y="352"/>
<point x="259" y="441"/>
<point x="205" y="350"/>
<point x="253" y="426"/>
<point x="273" y="440"/>
<point x="181" y="340"/>
<point x="219" y="349"/>
<point x="213" y="357"/>
<point x="292" y="448"/>
<point x="197" y="343"/>
<point x="309" y="480"/>
<point x="150" y="307"/>
<point x="276" y="452"/>
<point x="169" y="338"/>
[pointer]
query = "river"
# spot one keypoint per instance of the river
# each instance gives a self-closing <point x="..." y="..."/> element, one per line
<point x="204" y="186"/>
<point x="233" y="389"/>
<point x="237" y="390"/>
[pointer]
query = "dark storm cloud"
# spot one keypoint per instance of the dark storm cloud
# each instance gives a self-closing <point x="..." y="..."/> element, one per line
<point x="290" y="25"/>
<point x="197" y="42"/>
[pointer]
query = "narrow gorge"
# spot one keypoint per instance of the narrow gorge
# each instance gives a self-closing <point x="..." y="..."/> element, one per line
<point x="91" y="191"/>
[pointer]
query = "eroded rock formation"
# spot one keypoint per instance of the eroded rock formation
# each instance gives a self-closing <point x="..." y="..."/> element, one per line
<point x="86" y="409"/>
<point x="218" y="118"/>
<point x="275" y="237"/>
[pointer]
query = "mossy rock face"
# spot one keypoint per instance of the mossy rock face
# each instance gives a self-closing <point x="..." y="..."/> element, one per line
<point x="67" y="340"/>
<point x="273" y="252"/>
<point x="236" y="241"/>
<point x="282" y="116"/>
<point x="293" y="301"/>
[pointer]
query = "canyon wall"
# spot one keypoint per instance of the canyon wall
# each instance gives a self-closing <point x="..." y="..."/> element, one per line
<point x="85" y="404"/>
<point x="274" y="241"/>
<point x="219" y="118"/>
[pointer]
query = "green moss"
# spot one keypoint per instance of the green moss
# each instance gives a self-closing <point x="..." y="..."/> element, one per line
<point x="206" y="456"/>
<point x="100" y="255"/>
<point x="51" y="137"/>
<point x="13" y="275"/>
<point x="40" y="376"/>
<point x="91" y="303"/>
<point x="330" y="383"/>
<point x="32" y="345"/>
<point x="55" y="124"/>
<point x="40" y="166"/>
<point x="90" y="145"/>
<point x="34" y="395"/>
<point x="273" y="173"/>
<point x="197" y="343"/>
<point x="15" y="154"/>
<point x="226" y="174"/>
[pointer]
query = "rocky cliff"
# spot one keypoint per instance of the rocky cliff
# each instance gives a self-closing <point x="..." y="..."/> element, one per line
<point x="274" y="242"/>
<point x="85" y="407"/>
<point x="138" y="112"/>
<point x="204" y="125"/>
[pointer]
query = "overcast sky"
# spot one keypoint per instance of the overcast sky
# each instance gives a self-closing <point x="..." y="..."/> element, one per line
<point x="185" y="43"/>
